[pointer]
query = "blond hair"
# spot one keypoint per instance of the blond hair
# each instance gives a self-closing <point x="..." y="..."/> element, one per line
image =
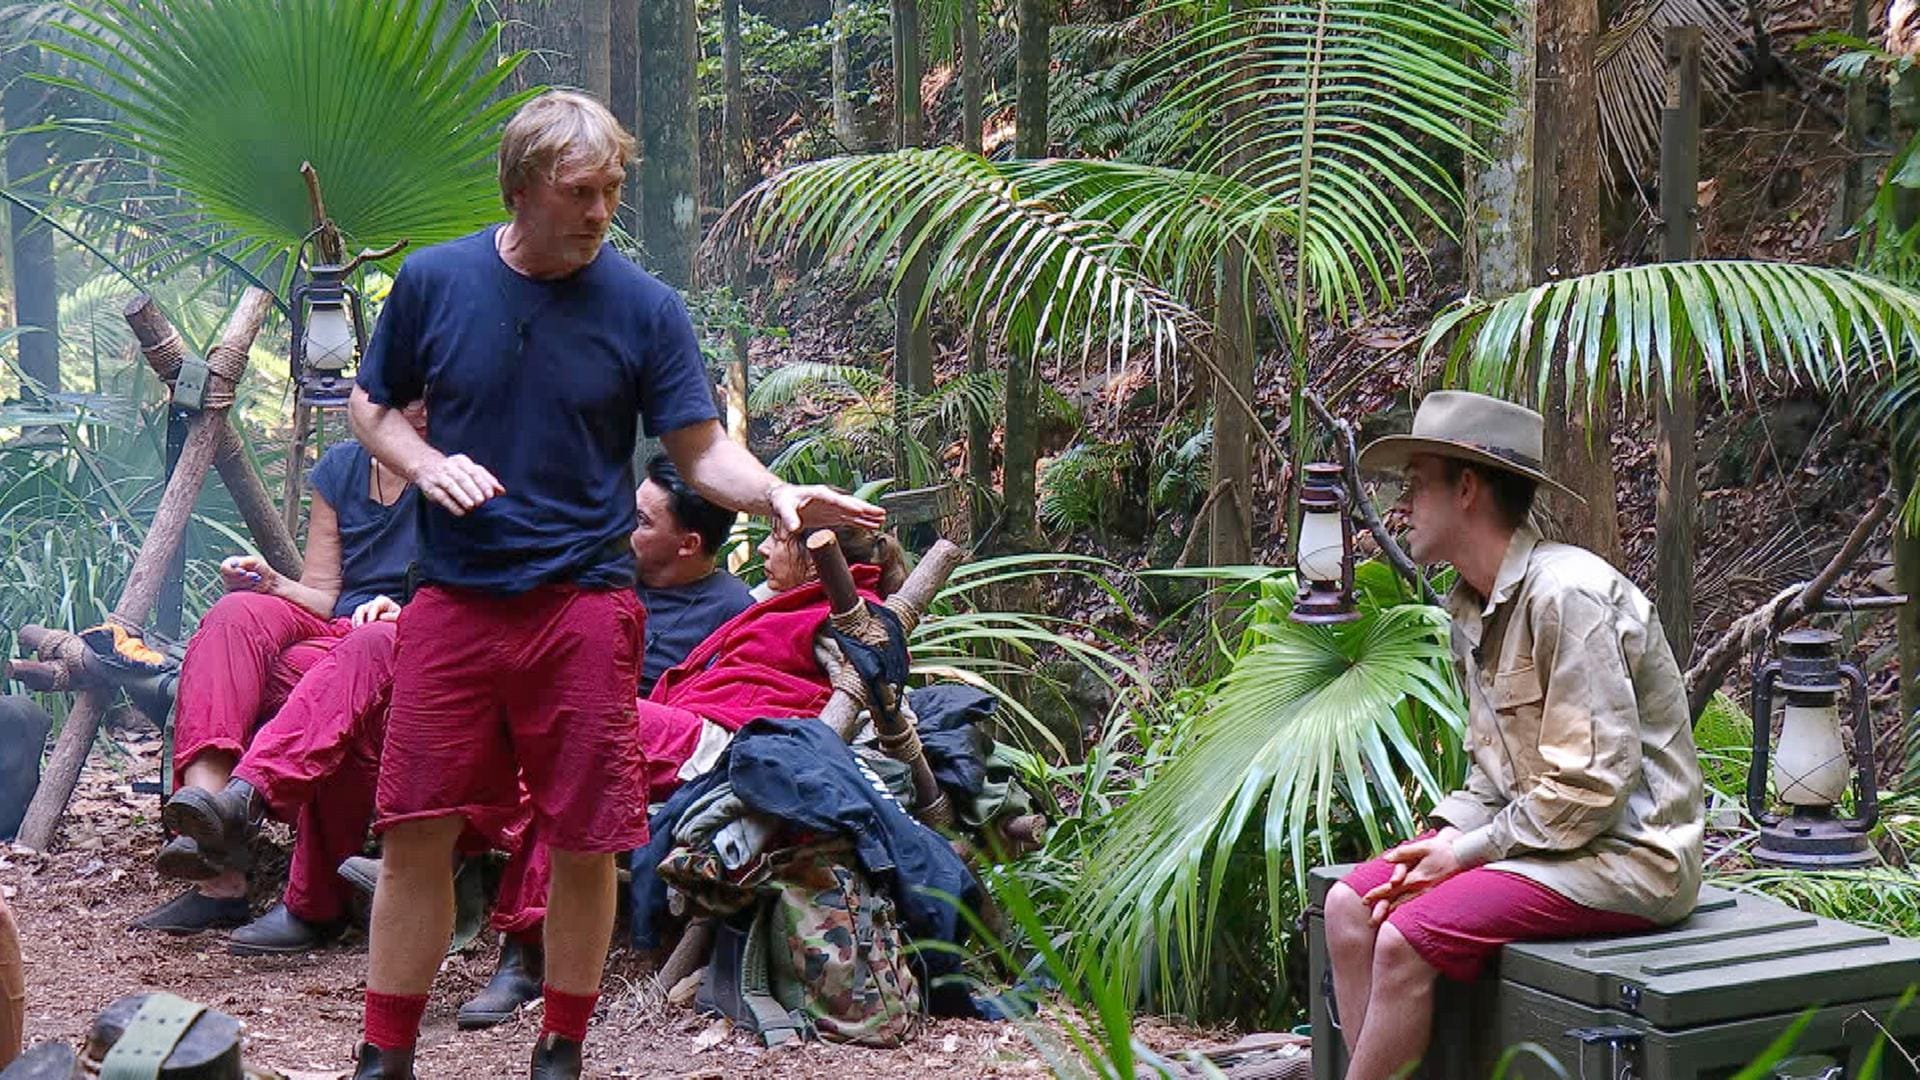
<point x="559" y="129"/>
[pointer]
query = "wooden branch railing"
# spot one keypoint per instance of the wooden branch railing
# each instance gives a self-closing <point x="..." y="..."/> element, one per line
<point x="164" y="537"/>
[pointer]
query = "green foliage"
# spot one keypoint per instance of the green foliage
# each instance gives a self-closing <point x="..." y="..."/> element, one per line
<point x="1723" y="736"/>
<point x="1319" y="741"/>
<point x="1084" y="487"/>
<point x="393" y="101"/>
<point x="1182" y="467"/>
<point x="856" y="440"/>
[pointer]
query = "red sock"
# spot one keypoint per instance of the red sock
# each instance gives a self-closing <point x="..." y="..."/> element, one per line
<point x="567" y="1014"/>
<point x="393" y="1020"/>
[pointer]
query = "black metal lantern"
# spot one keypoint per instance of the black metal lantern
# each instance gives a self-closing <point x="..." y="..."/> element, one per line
<point x="1810" y="770"/>
<point x="328" y="332"/>
<point x="1323" y="555"/>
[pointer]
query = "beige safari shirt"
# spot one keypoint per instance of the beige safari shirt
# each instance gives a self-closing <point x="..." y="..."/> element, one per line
<point x="1584" y="776"/>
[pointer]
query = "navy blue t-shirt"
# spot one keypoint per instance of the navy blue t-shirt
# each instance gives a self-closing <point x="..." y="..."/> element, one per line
<point x="377" y="543"/>
<point x="680" y="618"/>
<point x="543" y="383"/>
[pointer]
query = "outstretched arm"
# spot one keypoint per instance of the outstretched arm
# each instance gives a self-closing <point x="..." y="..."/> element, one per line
<point x="727" y="474"/>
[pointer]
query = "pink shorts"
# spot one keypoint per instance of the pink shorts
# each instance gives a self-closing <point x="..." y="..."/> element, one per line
<point x="491" y="690"/>
<point x="1461" y="922"/>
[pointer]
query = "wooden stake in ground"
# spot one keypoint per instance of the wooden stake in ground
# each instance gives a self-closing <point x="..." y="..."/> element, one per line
<point x="1674" y="410"/>
<point x="227" y="363"/>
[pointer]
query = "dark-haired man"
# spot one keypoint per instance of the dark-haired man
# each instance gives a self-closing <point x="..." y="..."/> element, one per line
<point x="1582" y="812"/>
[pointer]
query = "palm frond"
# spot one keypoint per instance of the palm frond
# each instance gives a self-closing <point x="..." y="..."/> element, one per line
<point x="1629" y="71"/>
<point x="392" y="101"/>
<point x="1644" y="329"/>
<point x="1334" y="110"/>
<point x="788" y="382"/>
<point x="1307" y="717"/>
<point x="1024" y="271"/>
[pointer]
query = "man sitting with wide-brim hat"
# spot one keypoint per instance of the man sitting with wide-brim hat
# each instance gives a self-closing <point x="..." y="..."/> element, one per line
<point x="1582" y="812"/>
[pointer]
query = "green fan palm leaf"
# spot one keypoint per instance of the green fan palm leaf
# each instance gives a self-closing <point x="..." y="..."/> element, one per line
<point x="1308" y="716"/>
<point x="394" y="102"/>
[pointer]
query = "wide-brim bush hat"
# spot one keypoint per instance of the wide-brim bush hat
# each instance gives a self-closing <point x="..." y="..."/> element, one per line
<point x="1470" y="427"/>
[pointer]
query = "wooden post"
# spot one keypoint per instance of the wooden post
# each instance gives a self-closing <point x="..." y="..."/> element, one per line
<point x="143" y="583"/>
<point x="1675" y="410"/>
<point x="912" y="330"/>
<point x="156" y="336"/>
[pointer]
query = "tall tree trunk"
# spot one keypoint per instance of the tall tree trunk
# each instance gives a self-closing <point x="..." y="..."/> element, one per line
<point x="912" y="332"/>
<point x="844" y="128"/>
<point x="623" y="95"/>
<point x="734" y="148"/>
<point x="1675" y="413"/>
<point x="580" y="33"/>
<point x="1230" y="525"/>
<point x="1537" y="217"/>
<point x="670" y="138"/>
<point x="1023" y="389"/>
<point x="973" y="89"/>
<point x="36" y="287"/>
<point x="1906" y="474"/>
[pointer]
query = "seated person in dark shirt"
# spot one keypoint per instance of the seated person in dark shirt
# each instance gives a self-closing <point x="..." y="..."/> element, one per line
<point x="258" y="642"/>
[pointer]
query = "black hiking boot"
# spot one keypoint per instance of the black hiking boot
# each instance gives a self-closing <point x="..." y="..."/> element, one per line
<point x="222" y="822"/>
<point x="193" y="911"/>
<point x="515" y="982"/>
<point x="280" y="932"/>
<point x="182" y="859"/>
<point x="378" y="1064"/>
<point x="555" y="1058"/>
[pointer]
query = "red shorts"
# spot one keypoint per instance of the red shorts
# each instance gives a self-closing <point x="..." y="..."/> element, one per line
<point x="492" y="690"/>
<point x="1461" y="922"/>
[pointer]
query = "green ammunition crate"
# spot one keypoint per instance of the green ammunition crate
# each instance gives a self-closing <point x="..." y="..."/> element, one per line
<point x="1694" y="1001"/>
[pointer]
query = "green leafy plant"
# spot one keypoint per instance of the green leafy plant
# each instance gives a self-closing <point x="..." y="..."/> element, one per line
<point x="1315" y="734"/>
<point x="394" y="102"/>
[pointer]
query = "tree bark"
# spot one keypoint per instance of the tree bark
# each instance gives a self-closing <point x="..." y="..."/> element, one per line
<point x="1906" y="579"/>
<point x="844" y="127"/>
<point x="734" y="150"/>
<point x="670" y="138"/>
<point x="1535" y="216"/>
<point x="912" y="331"/>
<point x="1675" y="410"/>
<point x="1230" y="525"/>
<point x="36" y="288"/>
<point x="623" y="95"/>
<point x="973" y="89"/>
<point x="164" y="537"/>
<point x="1023" y="389"/>
<point x="580" y="32"/>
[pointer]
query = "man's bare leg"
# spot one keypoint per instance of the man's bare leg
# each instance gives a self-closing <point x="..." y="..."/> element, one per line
<point x="1395" y="1039"/>
<point x="413" y="906"/>
<point x="1350" y="940"/>
<point x="210" y="771"/>
<point x="579" y="928"/>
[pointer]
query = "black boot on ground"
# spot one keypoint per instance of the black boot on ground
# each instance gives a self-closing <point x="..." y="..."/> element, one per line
<point x="515" y="982"/>
<point x="555" y="1058"/>
<point x="221" y="822"/>
<point x="278" y="933"/>
<point x="378" y="1064"/>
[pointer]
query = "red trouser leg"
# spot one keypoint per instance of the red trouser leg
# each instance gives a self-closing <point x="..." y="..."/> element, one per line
<point x="521" y="907"/>
<point x="235" y="670"/>
<point x="316" y="762"/>
<point x="337" y="713"/>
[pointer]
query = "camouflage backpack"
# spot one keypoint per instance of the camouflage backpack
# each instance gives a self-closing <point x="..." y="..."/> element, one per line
<point x="820" y="953"/>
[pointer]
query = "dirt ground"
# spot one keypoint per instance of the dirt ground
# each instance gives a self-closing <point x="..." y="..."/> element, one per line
<point x="303" y="1013"/>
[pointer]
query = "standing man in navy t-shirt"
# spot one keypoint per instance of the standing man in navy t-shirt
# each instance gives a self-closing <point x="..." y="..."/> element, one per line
<point x="539" y="351"/>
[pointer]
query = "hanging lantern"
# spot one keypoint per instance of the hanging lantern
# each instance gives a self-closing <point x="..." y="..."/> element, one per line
<point x="1324" y="551"/>
<point x="1810" y="769"/>
<point x="327" y="334"/>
